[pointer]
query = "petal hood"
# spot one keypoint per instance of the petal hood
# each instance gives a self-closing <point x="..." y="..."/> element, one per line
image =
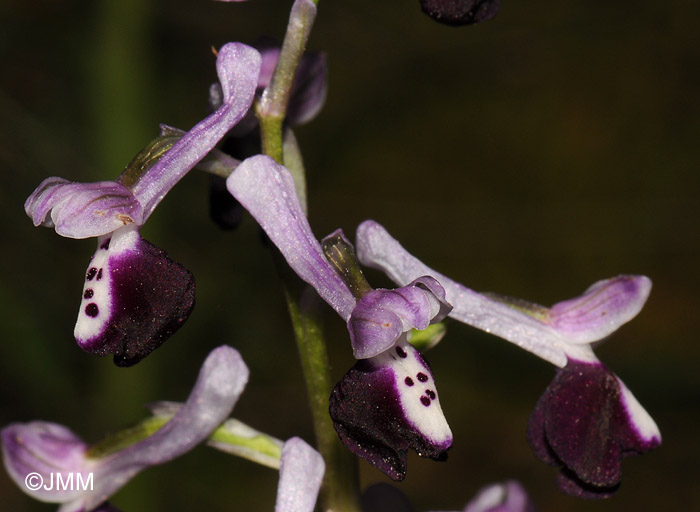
<point x="381" y="316"/>
<point x="83" y="210"/>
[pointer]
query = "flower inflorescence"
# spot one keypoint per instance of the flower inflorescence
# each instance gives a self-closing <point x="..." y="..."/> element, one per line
<point x="135" y="297"/>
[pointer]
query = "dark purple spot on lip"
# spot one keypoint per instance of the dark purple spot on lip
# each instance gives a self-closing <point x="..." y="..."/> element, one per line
<point x="422" y="377"/>
<point x="430" y="393"/>
<point x="425" y="400"/>
<point x="401" y="352"/>
<point x="99" y="275"/>
<point x="91" y="274"/>
<point x="408" y="381"/>
<point x="105" y="244"/>
<point x="92" y="310"/>
<point x="88" y="293"/>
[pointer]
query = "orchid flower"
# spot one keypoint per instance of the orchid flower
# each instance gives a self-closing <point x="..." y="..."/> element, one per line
<point x="134" y="296"/>
<point x="33" y="452"/>
<point x="502" y="497"/>
<point x="587" y="420"/>
<point x="46" y="449"/>
<point x="387" y="403"/>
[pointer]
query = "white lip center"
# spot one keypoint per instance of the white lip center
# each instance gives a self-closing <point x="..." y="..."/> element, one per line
<point x="417" y="392"/>
<point x="97" y="302"/>
<point x="95" y="307"/>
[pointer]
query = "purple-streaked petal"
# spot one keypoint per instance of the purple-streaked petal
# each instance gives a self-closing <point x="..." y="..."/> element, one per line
<point x="301" y="473"/>
<point x="39" y="204"/>
<point x="221" y="381"/>
<point x="134" y="298"/>
<point x="461" y="12"/>
<point x="266" y="189"/>
<point x="378" y="249"/>
<point x="269" y="54"/>
<point x="585" y="423"/>
<point x="307" y="96"/>
<point x="82" y="210"/>
<point x="382" y="316"/>
<point x="35" y="453"/>
<point x="601" y="309"/>
<point x="388" y="404"/>
<point x="383" y="497"/>
<point x="238" y="67"/>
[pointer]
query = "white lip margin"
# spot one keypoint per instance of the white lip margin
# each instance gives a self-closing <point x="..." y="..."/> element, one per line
<point x="88" y="329"/>
<point x="641" y="420"/>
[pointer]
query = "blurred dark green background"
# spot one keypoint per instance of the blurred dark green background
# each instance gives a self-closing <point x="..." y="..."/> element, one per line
<point x="533" y="155"/>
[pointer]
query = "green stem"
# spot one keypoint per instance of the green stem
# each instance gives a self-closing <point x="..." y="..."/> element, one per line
<point x="273" y="105"/>
<point x="271" y="130"/>
<point x="340" y="491"/>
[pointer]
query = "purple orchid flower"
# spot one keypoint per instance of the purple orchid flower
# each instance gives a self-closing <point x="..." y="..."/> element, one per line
<point x="135" y="297"/>
<point x="587" y="420"/>
<point x="35" y="453"/>
<point x="387" y="403"/>
<point x="502" y="497"/>
<point x="461" y="12"/>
